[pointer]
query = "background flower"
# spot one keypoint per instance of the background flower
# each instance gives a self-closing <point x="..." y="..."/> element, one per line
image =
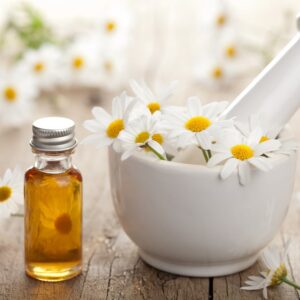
<point x="11" y="192"/>
<point x="16" y="98"/>
<point x="42" y="65"/>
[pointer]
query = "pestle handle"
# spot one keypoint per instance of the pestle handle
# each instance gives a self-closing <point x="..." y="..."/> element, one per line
<point x="275" y="92"/>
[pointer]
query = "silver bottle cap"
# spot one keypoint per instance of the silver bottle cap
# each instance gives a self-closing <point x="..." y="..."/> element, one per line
<point x="53" y="134"/>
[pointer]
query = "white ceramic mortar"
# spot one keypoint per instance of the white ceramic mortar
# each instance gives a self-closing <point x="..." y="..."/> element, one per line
<point x="186" y="220"/>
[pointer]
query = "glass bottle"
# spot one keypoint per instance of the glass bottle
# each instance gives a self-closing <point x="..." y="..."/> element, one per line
<point x="53" y="203"/>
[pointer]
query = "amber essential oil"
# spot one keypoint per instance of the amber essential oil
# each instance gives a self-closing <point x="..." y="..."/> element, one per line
<point x="53" y="208"/>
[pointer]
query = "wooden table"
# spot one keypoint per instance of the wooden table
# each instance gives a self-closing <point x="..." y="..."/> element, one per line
<point x="112" y="268"/>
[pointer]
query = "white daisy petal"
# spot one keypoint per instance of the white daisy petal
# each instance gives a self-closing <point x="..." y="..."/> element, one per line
<point x="267" y="146"/>
<point x="229" y="167"/>
<point x="265" y="293"/>
<point x="254" y="137"/>
<point x="218" y="158"/>
<point x="212" y="110"/>
<point x="261" y="163"/>
<point x="7" y="176"/>
<point x="92" y="125"/>
<point x="157" y="147"/>
<point x="101" y="115"/>
<point x="204" y="139"/>
<point x="128" y="153"/>
<point x="194" y="106"/>
<point x="244" y="172"/>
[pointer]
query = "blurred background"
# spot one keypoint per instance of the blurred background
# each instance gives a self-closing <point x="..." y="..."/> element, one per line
<point x="64" y="57"/>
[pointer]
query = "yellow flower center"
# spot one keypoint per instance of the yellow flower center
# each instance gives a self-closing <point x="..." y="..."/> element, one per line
<point x="114" y="128"/>
<point x="63" y="223"/>
<point x="279" y="274"/>
<point x="157" y="137"/>
<point x="153" y="107"/>
<point x="5" y="193"/>
<point x="242" y="151"/>
<point x="10" y="94"/>
<point x="142" y="137"/>
<point x="263" y="139"/>
<point x="230" y="51"/>
<point x="108" y="66"/>
<point x="221" y="19"/>
<point x="78" y="62"/>
<point x="217" y="72"/>
<point x="110" y="26"/>
<point x="39" y="67"/>
<point x="197" y="124"/>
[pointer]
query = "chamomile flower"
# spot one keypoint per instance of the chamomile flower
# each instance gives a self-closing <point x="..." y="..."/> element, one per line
<point x="153" y="101"/>
<point x="217" y="15"/>
<point x="288" y="145"/>
<point x="240" y="153"/>
<point x="142" y="134"/>
<point x="16" y="98"/>
<point x="276" y="273"/>
<point x="230" y="47"/>
<point x="198" y="124"/>
<point x="106" y="128"/>
<point x="161" y="133"/>
<point x="80" y="62"/>
<point x="111" y="67"/>
<point x="42" y="65"/>
<point x="213" y="72"/>
<point x="11" y="192"/>
<point x="115" y="24"/>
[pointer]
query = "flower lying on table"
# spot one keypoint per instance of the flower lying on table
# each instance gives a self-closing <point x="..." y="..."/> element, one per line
<point x="141" y="124"/>
<point x="276" y="273"/>
<point x="11" y="192"/>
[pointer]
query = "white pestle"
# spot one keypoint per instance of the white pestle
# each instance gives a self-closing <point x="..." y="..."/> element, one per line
<point x="275" y="93"/>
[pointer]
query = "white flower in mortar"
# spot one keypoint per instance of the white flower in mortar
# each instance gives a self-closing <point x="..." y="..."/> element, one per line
<point x="288" y="144"/>
<point x="161" y="133"/>
<point x="16" y="98"/>
<point x="198" y="124"/>
<point x="11" y="192"/>
<point x="144" y="134"/>
<point x="276" y="273"/>
<point x="106" y="128"/>
<point x="42" y="65"/>
<point x="238" y="152"/>
<point x="154" y="102"/>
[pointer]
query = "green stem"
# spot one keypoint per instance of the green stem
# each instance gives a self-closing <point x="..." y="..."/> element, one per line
<point x="291" y="283"/>
<point x="204" y="154"/>
<point x="156" y="153"/>
<point x="209" y="153"/>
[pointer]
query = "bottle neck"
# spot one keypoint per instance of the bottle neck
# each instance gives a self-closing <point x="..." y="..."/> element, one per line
<point x="53" y="163"/>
